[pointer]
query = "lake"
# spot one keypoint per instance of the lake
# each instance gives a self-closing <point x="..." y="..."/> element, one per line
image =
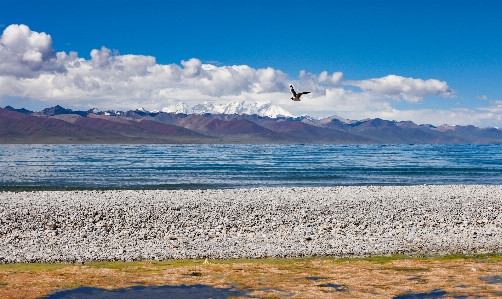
<point x="244" y="166"/>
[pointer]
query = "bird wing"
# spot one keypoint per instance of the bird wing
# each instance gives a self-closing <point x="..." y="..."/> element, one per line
<point x="293" y="92"/>
<point x="302" y="93"/>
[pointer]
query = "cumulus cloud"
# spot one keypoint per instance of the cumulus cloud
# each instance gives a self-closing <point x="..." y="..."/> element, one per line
<point x="32" y="70"/>
<point x="494" y="109"/>
<point x="455" y="116"/>
<point x="119" y="79"/>
<point x="401" y="88"/>
<point x="27" y="54"/>
<point x="334" y="79"/>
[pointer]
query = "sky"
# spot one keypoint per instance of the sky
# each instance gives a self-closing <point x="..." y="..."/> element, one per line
<point x="431" y="62"/>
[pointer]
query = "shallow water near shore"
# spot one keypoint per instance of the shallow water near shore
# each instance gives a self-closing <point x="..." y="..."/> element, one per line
<point x="141" y="292"/>
<point x="244" y="166"/>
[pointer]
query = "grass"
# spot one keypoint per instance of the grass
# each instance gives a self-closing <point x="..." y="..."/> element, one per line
<point x="32" y="267"/>
<point x="138" y="265"/>
<point x="487" y="257"/>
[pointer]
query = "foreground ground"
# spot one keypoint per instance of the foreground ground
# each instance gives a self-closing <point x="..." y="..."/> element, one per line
<point x="378" y="277"/>
<point x="343" y="221"/>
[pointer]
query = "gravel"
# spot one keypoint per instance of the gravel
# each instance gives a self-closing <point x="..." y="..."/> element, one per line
<point x="84" y="226"/>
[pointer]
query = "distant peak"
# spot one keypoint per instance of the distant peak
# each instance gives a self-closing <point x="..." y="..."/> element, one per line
<point x="178" y="108"/>
<point x="94" y="110"/>
<point x="236" y="107"/>
<point x="22" y="110"/>
<point x="56" y="110"/>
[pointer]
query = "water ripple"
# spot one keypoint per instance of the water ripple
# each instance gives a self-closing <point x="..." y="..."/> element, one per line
<point x="234" y="166"/>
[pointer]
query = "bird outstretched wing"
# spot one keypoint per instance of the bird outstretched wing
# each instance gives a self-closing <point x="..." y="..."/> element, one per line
<point x="296" y="96"/>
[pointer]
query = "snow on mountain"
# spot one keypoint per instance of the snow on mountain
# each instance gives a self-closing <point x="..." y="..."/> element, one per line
<point x="259" y="108"/>
<point x="343" y="120"/>
<point x="238" y="107"/>
<point x="204" y="107"/>
<point x="311" y="120"/>
<point x="177" y="108"/>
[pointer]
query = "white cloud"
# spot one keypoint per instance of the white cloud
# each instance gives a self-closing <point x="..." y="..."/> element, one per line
<point x="408" y="89"/>
<point x="27" y="54"/>
<point x="496" y="108"/>
<point x="30" y="69"/>
<point x="334" y="79"/>
<point x="456" y="116"/>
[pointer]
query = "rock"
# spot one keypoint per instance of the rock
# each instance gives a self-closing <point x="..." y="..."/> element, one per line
<point x="89" y="226"/>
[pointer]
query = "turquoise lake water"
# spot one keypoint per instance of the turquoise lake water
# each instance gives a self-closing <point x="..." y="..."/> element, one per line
<point x="242" y="166"/>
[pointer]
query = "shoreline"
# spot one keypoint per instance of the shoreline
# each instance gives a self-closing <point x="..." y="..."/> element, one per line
<point x="350" y="221"/>
<point x="197" y="187"/>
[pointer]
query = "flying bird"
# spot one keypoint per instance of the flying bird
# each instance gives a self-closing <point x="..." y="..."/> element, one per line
<point x="296" y="96"/>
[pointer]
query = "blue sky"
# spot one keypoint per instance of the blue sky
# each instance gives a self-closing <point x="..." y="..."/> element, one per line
<point x="427" y="61"/>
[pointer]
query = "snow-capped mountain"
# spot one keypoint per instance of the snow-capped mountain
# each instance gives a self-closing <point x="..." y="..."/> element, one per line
<point x="343" y="120"/>
<point x="238" y="107"/>
<point x="204" y="107"/>
<point x="177" y="108"/>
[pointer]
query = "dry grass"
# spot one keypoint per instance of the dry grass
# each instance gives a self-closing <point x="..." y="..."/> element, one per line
<point x="381" y="277"/>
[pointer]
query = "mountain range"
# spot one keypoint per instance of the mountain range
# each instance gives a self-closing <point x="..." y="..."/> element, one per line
<point x="222" y="124"/>
<point x="237" y="107"/>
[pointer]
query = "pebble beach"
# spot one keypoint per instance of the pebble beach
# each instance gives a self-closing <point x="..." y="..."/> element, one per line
<point x="127" y="225"/>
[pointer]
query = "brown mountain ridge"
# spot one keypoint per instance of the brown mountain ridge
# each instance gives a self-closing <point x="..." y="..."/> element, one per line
<point x="62" y="125"/>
